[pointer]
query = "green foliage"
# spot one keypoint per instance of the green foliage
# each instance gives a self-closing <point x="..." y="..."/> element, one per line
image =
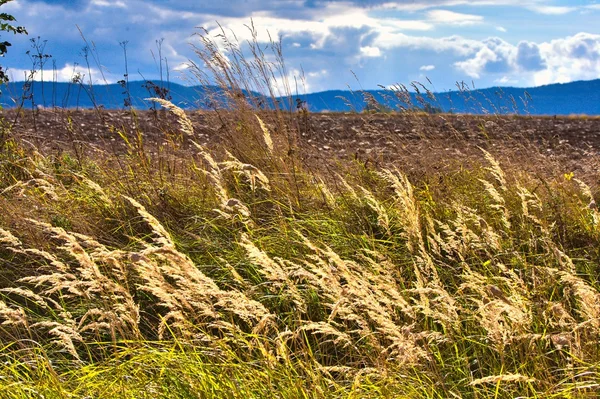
<point x="6" y="26"/>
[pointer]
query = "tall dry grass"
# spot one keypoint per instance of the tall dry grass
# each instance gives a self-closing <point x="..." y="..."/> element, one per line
<point x="235" y="272"/>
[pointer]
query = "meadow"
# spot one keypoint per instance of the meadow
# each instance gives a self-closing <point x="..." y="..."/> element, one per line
<point x="254" y="264"/>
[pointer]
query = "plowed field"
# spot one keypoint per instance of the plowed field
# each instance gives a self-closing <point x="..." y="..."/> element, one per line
<point x="412" y="142"/>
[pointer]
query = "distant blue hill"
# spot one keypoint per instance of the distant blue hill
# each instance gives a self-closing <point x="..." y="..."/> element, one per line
<point x="112" y="96"/>
<point x="581" y="97"/>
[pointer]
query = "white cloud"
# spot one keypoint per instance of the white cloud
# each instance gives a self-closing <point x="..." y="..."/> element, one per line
<point x="419" y="5"/>
<point x="457" y="45"/>
<point x="537" y="6"/>
<point x="296" y="80"/>
<point x="344" y="30"/>
<point x="183" y="66"/>
<point x="552" y="10"/>
<point x="557" y="61"/>
<point x="108" y="4"/>
<point x="416" y="5"/>
<point x="496" y="56"/>
<point x="474" y="67"/>
<point x="317" y="74"/>
<point x="349" y="34"/>
<point x="453" y="18"/>
<point x="321" y="27"/>
<point x="65" y="74"/>
<point x="369" y="51"/>
<point x="505" y="80"/>
<point x="572" y="58"/>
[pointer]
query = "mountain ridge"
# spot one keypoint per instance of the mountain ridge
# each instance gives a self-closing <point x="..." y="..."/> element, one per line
<point x="578" y="97"/>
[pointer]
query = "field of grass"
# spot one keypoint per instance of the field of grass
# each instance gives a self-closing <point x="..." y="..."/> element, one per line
<point x="239" y="271"/>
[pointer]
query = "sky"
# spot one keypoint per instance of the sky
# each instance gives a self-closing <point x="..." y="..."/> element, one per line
<point x="326" y="44"/>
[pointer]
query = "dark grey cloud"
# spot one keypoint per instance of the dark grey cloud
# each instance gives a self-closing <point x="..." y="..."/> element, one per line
<point x="502" y="49"/>
<point x="586" y="48"/>
<point x="499" y="66"/>
<point x="69" y="4"/>
<point x="238" y="8"/>
<point x="529" y="57"/>
<point x="344" y="40"/>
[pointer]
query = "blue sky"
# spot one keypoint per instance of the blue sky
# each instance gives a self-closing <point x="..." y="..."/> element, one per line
<point x="382" y="42"/>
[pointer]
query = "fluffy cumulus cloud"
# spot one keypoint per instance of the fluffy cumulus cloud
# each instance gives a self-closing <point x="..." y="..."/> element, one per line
<point x="562" y="60"/>
<point x="572" y="58"/>
<point x="529" y="57"/>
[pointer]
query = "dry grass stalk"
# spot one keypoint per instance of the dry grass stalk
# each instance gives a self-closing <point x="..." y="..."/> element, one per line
<point x="191" y="297"/>
<point x="213" y="172"/>
<point x="586" y="296"/>
<point x="505" y="313"/>
<point x="327" y="194"/>
<point x="266" y="134"/>
<point x="498" y="201"/>
<point x="367" y="295"/>
<point x="24" y="325"/>
<point x="12" y="317"/>
<point x="255" y="176"/>
<point x="278" y="274"/>
<point x="383" y="219"/>
<point x="408" y="208"/>
<point x="496" y="379"/>
<point x="46" y="187"/>
<point x="109" y="304"/>
<point x="466" y="234"/>
<point x="592" y="207"/>
<point x="98" y="279"/>
<point x="65" y="334"/>
<point x="337" y="338"/>
<point x="363" y="299"/>
<point x="558" y="317"/>
<point x="96" y="188"/>
<point x="432" y="299"/>
<point x="495" y="170"/>
<point x="184" y="122"/>
<point x="531" y="208"/>
<point x="7" y="238"/>
<point x="348" y="187"/>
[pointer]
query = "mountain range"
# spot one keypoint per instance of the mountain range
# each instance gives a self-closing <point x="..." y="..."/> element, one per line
<point x="581" y="97"/>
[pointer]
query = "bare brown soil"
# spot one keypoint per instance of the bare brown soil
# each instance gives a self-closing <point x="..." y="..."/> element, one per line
<point x="411" y="142"/>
